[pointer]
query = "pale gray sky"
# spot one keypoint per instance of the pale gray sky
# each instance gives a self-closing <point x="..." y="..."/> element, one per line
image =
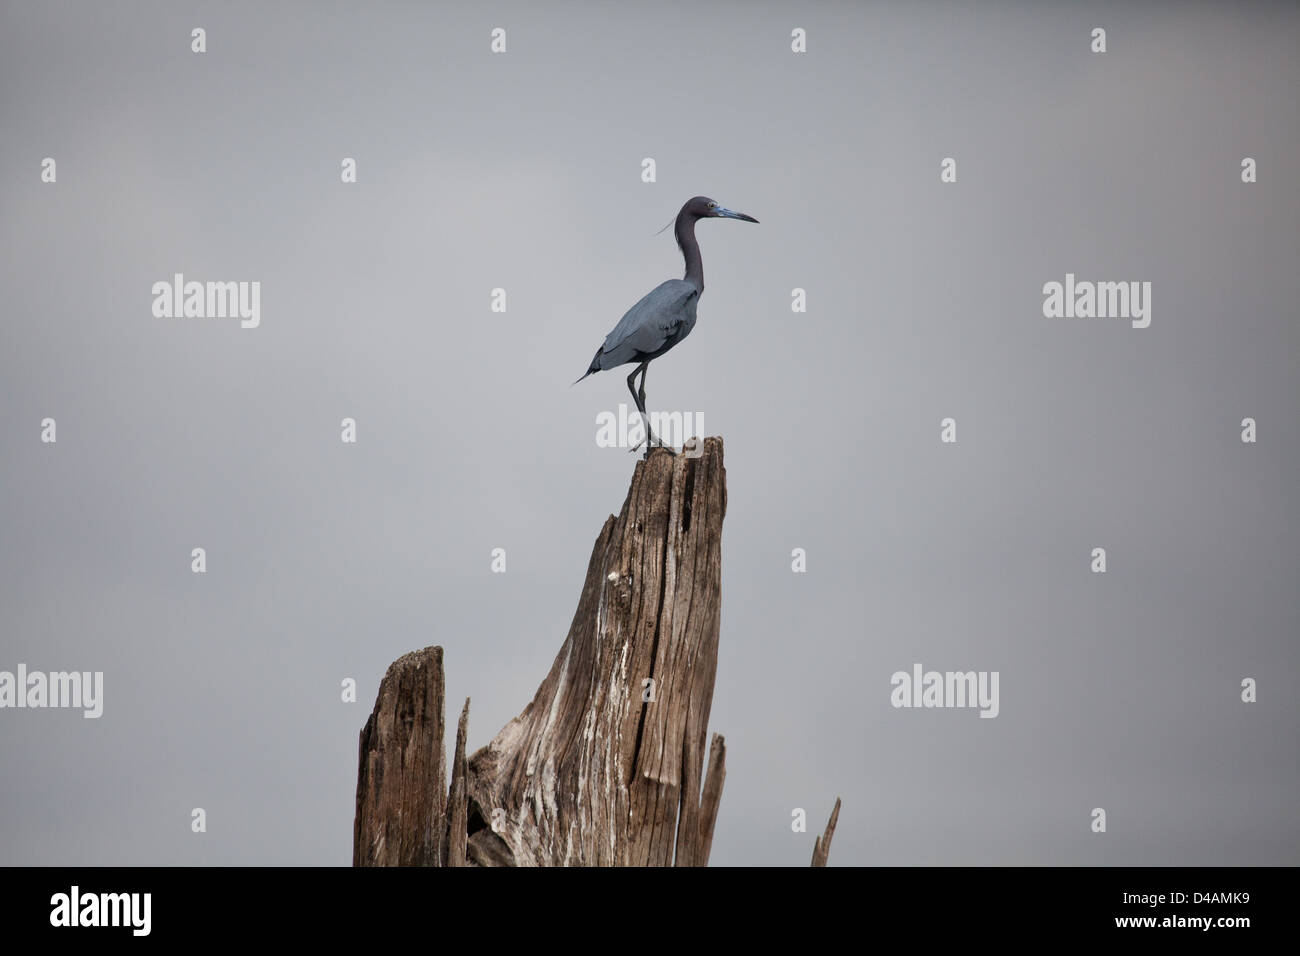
<point x="522" y="171"/>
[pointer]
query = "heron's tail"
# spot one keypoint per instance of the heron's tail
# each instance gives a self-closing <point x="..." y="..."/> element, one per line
<point x="594" y="367"/>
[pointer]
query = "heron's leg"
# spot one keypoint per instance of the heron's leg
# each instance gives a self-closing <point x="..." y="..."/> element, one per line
<point x="639" y="401"/>
<point x="640" y="404"/>
<point x="652" y="438"/>
<point x="638" y="396"/>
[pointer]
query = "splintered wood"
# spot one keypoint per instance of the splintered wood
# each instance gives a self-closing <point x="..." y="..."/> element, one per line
<point x="606" y="765"/>
<point x="401" y="772"/>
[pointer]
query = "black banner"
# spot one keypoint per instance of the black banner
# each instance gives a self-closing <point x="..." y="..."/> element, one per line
<point x="329" y="905"/>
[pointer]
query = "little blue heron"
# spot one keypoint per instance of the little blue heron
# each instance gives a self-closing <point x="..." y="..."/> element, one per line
<point x="666" y="315"/>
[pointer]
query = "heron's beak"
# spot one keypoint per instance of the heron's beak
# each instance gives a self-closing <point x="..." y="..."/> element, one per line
<point x="732" y="214"/>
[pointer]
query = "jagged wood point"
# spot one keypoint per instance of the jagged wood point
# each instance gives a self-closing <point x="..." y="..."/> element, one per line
<point x="606" y="765"/>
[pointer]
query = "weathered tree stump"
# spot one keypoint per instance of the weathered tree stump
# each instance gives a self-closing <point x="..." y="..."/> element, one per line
<point x="401" y="773"/>
<point x="606" y="765"/>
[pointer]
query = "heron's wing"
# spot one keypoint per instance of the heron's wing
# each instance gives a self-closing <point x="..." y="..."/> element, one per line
<point x="649" y="324"/>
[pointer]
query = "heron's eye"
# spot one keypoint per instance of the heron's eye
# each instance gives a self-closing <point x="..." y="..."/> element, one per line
<point x="712" y="204"/>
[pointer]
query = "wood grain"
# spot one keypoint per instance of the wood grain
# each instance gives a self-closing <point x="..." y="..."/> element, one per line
<point x="606" y="764"/>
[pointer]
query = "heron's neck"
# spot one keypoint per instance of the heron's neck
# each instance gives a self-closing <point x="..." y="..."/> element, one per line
<point x="685" y="231"/>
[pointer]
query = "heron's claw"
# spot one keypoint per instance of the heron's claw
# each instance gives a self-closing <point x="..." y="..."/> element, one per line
<point x="654" y="441"/>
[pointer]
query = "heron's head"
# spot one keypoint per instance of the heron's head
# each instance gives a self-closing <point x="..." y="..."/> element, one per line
<point x="702" y="207"/>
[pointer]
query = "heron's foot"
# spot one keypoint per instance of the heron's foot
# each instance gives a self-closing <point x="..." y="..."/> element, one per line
<point x="653" y="442"/>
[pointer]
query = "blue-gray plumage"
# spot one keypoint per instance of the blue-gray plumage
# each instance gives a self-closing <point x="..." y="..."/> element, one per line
<point x="666" y="314"/>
